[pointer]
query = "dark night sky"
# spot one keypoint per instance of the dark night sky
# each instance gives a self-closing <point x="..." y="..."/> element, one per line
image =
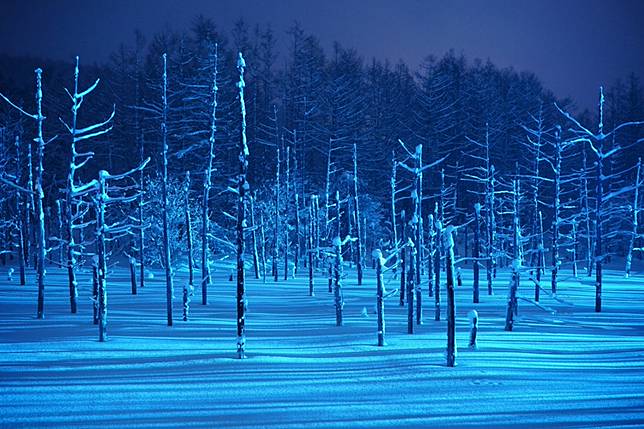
<point x="572" y="45"/>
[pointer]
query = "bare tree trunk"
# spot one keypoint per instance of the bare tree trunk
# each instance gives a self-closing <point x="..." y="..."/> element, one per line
<point x="95" y="287"/>
<point x="573" y="234"/>
<point x="316" y="228"/>
<point x="298" y="248"/>
<point x="286" y="211"/>
<point x="403" y="262"/>
<point x="586" y="209"/>
<point x="356" y="209"/>
<point x="635" y="212"/>
<point x="431" y="248"/>
<point x="254" y="237"/>
<point x="205" y="219"/>
<point x="540" y="259"/>
<point x="448" y="243"/>
<point x="516" y="261"/>
<point x="71" y="251"/>
<point x="491" y="231"/>
<point x="556" y="211"/>
<point x="188" y="288"/>
<point x="476" y="252"/>
<point x="418" y="221"/>
<point x="411" y="277"/>
<point x="380" y="298"/>
<point x="296" y="259"/>
<point x="337" y="272"/>
<point x="61" y="231"/>
<point x="40" y="196"/>
<point x="241" y="220"/>
<point x="394" y="229"/>
<point x="599" y="220"/>
<point x="327" y="192"/>
<point x="310" y="246"/>
<point x="102" y="263"/>
<point x="19" y="245"/>
<point x="133" y="275"/>
<point x="437" y="268"/>
<point x="277" y="217"/>
<point x="164" y="195"/>
<point x="38" y="191"/>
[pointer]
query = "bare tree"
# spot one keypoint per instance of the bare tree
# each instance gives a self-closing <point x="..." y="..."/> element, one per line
<point x="41" y="250"/>
<point x="242" y="188"/>
<point x="78" y="160"/>
<point x="598" y="143"/>
<point x="205" y="267"/>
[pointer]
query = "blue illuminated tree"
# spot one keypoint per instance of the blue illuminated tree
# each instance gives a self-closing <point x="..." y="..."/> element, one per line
<point x="600" y="144"/>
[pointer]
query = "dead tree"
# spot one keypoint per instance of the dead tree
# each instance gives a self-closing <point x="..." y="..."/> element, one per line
<point x="338" y="269"/>
<point x="310" y="242"/>
<point x="380" y="296"/>
<point x="287" y="226"/>
<point x="242" y="189"/>
<point x="448" y="244"/>
<point x="254" y="236"/>
<point x="169" y="291"/>
<point x="597" y="141"/>
<point x="356" y="208"/>
<point x="41" y="250"/>
<point x="276" y="220"/>
<point x="516" y="260"/>
<point x="20" y="221"/>
<point x="78" y="160"/>
<point x="107" y="232"/>
<point x="476" y="252"/>
<point x="188" y="288"/>
<point x="205" y="218"/>
<point x="635" y="211"/>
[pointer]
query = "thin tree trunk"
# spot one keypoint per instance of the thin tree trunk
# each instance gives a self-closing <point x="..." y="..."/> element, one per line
<point x="437" y="269"/>
<point x="102" y="263"/>
<point x="337" y="243"/>
<point x="40" y="196"/>
<point x="277" y="217"/>
<point x="19" y="227"/>
<point x="95" y="287"/>
<point x="296" y="259"/>
<point x="133" y="275"/>
<point x="431" y="248"/>
<point x="71" y="251"/>
<point x="356" y="209"/>
<point x="254" y="237"/>
<point x="403" y="262"/>
<point x="635" y="211"/>
<point x="540" y="259"/>
<point x="556" y="209"/>
<point x="411" y="277"/>
<point x="599" y="220"/>
<point x="241" y="220"/>
<point x="263" y="246"/>
<point x="380" y="299"/>
<point x="188" y="288"/>
<point x="164" y="195"/>
<point x="476" y="252"/>
<point x="310" y="245"/>
<point x="516" y="262"/>
<point x="205" y="219"/>
<point x="448" y="241"/>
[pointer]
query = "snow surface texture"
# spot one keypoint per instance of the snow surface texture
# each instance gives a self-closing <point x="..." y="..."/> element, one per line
<point x="575" y="368"/>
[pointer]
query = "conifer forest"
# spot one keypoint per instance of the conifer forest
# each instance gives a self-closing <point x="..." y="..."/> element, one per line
<point x="239" y="223"/>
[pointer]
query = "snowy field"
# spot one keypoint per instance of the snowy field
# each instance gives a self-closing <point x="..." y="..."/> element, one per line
<point x="569" y="368"/>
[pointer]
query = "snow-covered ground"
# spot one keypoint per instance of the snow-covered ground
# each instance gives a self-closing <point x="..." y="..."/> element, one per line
<point x="572" y="368"/>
